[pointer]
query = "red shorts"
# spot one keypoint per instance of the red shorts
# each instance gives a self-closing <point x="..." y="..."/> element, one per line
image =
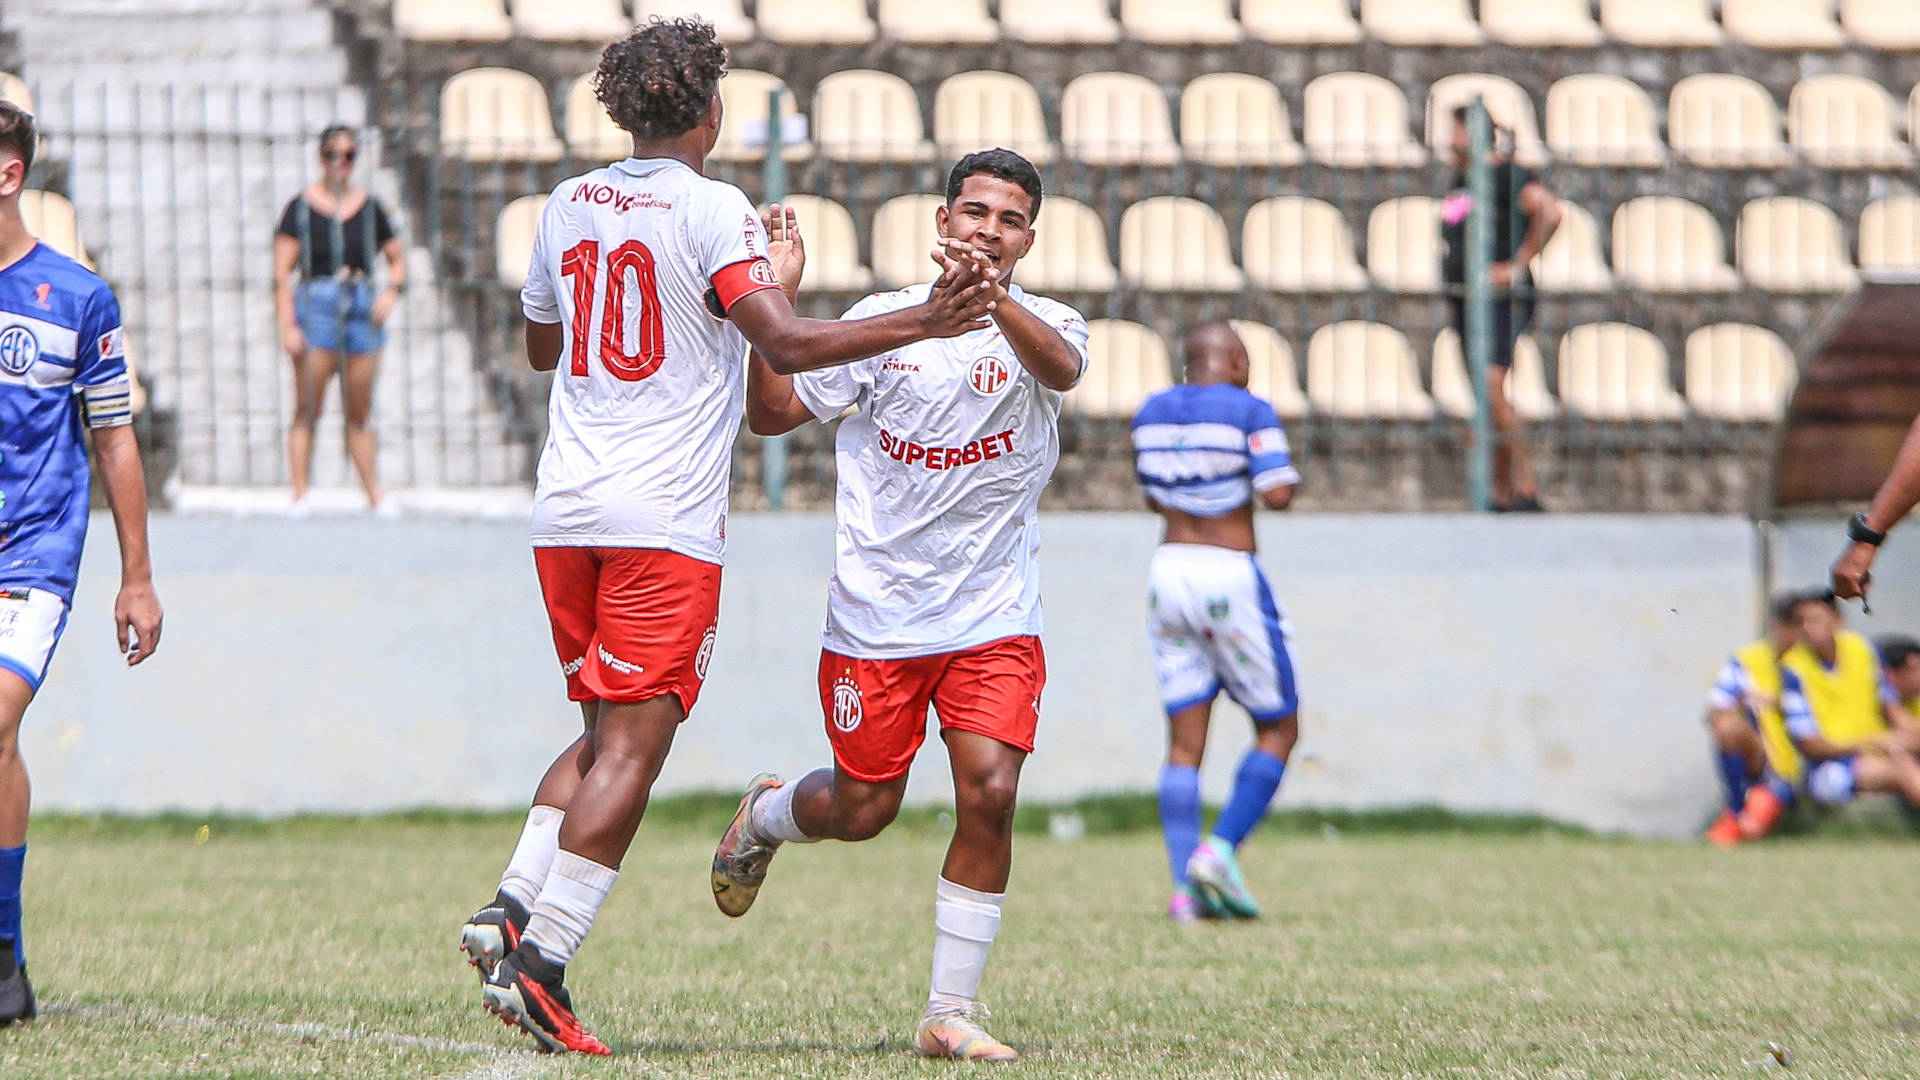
<point x="876" y="710"/>
<point x="630" y="623"/>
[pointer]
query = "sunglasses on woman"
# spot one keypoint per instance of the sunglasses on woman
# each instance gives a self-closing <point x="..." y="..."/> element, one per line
<point x="339" y="155"/>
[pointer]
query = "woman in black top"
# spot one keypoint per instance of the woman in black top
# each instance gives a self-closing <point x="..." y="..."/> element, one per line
<point x="330" y="315"/>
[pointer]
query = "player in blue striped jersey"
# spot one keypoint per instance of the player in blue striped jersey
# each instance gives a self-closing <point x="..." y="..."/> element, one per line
<point x="62" y="366"/>
<point x="1205" y="451"/>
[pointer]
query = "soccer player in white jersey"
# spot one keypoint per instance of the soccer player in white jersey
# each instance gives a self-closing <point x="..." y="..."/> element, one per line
<point x="935" y="596"/>
<point x="1205" y="451"/>
<point x="647" y="283"/>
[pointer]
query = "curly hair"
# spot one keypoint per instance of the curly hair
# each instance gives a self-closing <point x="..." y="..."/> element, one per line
<point x="656" y="82"/>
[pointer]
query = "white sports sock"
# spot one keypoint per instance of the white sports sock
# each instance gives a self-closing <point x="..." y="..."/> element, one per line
<point x="572" y="896"/>
<point x="772" y="817"/>
<point x="533" y="855"/>
<point x="964" y="923"/>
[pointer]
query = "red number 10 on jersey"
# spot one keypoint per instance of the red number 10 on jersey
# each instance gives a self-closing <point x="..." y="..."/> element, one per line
<point x="630" y="260"/>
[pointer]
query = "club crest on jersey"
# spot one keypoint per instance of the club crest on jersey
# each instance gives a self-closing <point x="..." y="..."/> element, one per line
<point x="19" y="348"/>
<point x="761" y="273"/>
<point x="847" y="712"/>
<point x="990" y="375"/>
<point x="704" y="656"/>
<point x="40" y="294"/>
<point x="113" y="344"/>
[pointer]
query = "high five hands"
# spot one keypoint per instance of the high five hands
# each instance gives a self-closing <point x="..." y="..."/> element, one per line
<point x="967" y="292"/>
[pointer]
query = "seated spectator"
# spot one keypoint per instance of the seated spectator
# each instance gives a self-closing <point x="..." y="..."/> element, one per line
<point x="1845" y="718"/>
<point x="1900" y="662"/>
<point x="1758" y="763"/>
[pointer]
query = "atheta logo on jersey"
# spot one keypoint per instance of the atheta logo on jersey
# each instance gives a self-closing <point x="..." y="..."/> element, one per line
<point x="990" y="376"/>
<point x="624" y="667"/>
<point x="113" y="344"/>
<point x="986" y="448"/>
<point x="847" y="712"/>
<point x="1270" y="441"/>
<point x="704" y="656"/>
<point x="19" y="348"/>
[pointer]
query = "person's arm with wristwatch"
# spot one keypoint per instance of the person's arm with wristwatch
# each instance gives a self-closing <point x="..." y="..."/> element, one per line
<point x="1853" y="570"/>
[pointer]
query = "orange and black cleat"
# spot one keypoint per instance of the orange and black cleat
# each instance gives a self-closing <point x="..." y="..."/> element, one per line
<point x="1725" y="830"/>
<point x="493" y="932"/>
<point x="525" y="991"/>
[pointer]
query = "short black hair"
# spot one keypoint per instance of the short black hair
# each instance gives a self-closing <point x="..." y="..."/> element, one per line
<point x="1896" y="650"/>
<point x="1817" y="595"/>
<point x="657" y="81"/>
<point x="1784" y="603"/>
<point x="17" y="133"/>
<point x="334" y="131"/>
<point x="1002" y="164"/>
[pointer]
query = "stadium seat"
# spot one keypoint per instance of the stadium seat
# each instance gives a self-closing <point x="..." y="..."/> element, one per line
<point x="1725" y="122"/>
<point x="1540" y="22"/>
<point x="1114" y="118"/>
<point x="1571" y="261"/>
<point x="1890" y="235"/>
<point x="815" y="22"/>
<point x="1179" y="22"/>
<point x="1293" y="244"/>
<point x="745" y="95"/>
<point x="1127" y="362"/>
<point x="1665" y="244"/>
<point x="1365" y="369"/>
<point x="1612" y="371"/>
<point x="1526" y="383"/>
<point x="1232" y="119"/>
<point x="591" y="133"/>
<point x="497" y="114"/>
<point x="1171" y="243"/>
<point x="1510" y="107"/>
<point x="1419" y="22"/>
<point x="1788" y="244"/>
<point x="951" y="22"/>
<point x="571" y="20"/>
<point x="1782" y="24"/>
<point x="1660" y="24"/>
<point x="1845" y="122"/>
<point x="833" y="245"/>
<point x="868" y="116"/>
<point x="452" y="20"/>
<point x="1271" y="373"/>
<point x="1356" y="120"/>
<point x="1300" y="22"/>
<point x="977" y="109"/>
<point x="1069" y="250"/>
<point x="1603" y="120"/>
<point x="514" y="230"/>
<point x="1403" y="244"/>
<point x="1882" y="24"/>
<point x="903" y="234"/>
<point x="1740" y="373"/>
<point x="729" y="17"/>
<point x="50" y="218"/>
<point x="1058" y="22"/>
<point x="14" y="89"/>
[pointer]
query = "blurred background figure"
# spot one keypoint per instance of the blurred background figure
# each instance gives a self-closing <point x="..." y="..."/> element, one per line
<point x="1759" y="765"/>
<point x="1846" y="720"/>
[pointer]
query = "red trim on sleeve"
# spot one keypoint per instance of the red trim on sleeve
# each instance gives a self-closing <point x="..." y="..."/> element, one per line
<point x="736" y="280"/>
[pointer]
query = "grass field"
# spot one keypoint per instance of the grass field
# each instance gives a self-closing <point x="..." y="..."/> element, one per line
<point x="327" y="949"/>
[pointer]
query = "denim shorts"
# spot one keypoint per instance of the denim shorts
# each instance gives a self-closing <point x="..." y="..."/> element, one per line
<point x="338" y="316"/>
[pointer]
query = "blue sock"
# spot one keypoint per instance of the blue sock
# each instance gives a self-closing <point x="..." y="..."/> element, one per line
<point x="1253" y="788"/>
<point x="13" y="866"/>
<point x="1180" y="816"/>
<point x="1733" y="774"/>
<point x="1781" y="789"/>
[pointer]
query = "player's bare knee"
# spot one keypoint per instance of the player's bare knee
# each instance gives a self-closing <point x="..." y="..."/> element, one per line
<point x="987" y="799"/>
<point x="869" y="818"/>
<point x="1278" y="738"/>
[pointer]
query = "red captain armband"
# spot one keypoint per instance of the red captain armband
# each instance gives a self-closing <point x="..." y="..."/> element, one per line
<point x="737" y="280"/>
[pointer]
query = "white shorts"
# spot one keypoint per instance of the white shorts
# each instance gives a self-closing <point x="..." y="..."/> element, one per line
<point x="31" y="621"/>
<point x="1214" y="626"/>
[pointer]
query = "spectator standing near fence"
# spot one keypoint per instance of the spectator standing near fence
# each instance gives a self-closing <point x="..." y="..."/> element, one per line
<point x="331" y="317"/>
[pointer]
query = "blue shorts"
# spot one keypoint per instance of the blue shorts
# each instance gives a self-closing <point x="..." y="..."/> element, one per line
<point x="1833" y="782"/>
<point x="338" y="316"/>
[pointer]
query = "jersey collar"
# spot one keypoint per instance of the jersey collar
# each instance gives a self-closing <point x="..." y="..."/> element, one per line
<point x="640" y="167"/>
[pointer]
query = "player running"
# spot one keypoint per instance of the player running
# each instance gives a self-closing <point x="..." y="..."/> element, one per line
<point x="1205" y="450"/>
<point x="935" y="596"/>
<point x="647" y="282"/>
<point x="63" y="366"/>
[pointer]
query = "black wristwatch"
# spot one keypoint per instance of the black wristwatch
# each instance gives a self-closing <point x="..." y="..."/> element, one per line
<point x="1860" y="532"/>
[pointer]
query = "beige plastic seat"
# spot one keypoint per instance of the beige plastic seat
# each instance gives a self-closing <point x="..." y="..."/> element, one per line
<point x="1526" y="383"/>
<point x="513" y="234"/>
<point x="950" y="22"/>
<point x="833" y="245"/>
<point x="975" y="110"/>
<point x="1356" y="120"/>
<point x="1058" y="22"/>
<point x="1179" y="22"/>
<point x="1890" y="235"/>
<point x="1613" y="371"/>
<point x="1295" y="244"/>
<point x="1171" y="243"/>
<point x="571" y="20"/>
<point x="51" y="219"/>
<point x="868" y="116"/>
<point x="729" y="17"/>
<point x="1510" y="107"/>
<point x="1603" y="120"/>
<point x="1127" y="363"/>
<point x="1540" y="22"/>
<point x="1271" y="373"/>
<point x="1661" y="24"/>
<point x="1883" y="24"/>
<point x="1788" y="244"/>
<point x="1845" y="122"/>
<point x="1782" y="24"/>
<point x="815" y="22"/>
<point x="1365" y="369"/>
<point x="14" y="89"/>
<point x="1232" y="119"/>
<point x="744" y="96"/>
<point x="1403" y="244"/>
<point x="1300" y="22"/>
<point x="1725" y="121"/>
<point x="591" y="133"/>
<point x="1114" y="118"/>
<point x="1069" y="250"/>
<point x="1419" y="22"/>
<point x="1571" y="261"/>
<point x="1737" y="372"/>
<point x="497" y="114"/>
<point x="903" y="236"/>
<point x="451" y="20"/>
<point x="1666" y="244"/>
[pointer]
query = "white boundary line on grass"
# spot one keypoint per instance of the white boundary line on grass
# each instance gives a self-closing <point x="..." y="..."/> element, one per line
<point x="286" y="1030"/>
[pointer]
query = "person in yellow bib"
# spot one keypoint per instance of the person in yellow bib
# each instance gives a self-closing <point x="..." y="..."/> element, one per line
<point x="1844" y="716"/>
<point x="1758" y="763"/>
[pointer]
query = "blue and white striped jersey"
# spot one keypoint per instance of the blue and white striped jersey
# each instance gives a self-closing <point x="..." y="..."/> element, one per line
<point x="1205" y="450"/>
<point x="60" y="338"/>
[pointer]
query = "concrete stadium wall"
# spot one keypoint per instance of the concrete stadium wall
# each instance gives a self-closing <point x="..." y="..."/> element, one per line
<point x="1547" y="665"/>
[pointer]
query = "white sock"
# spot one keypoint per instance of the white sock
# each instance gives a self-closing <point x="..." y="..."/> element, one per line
<point x="533" y="855"/>
<point x="772" y="817"/>
<point x="568" y="902"/>
<point x="964" y="923"/>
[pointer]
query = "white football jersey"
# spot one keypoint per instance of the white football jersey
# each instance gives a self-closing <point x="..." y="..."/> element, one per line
<point x="940" y="475"/>
<point x="651" y="385"/>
